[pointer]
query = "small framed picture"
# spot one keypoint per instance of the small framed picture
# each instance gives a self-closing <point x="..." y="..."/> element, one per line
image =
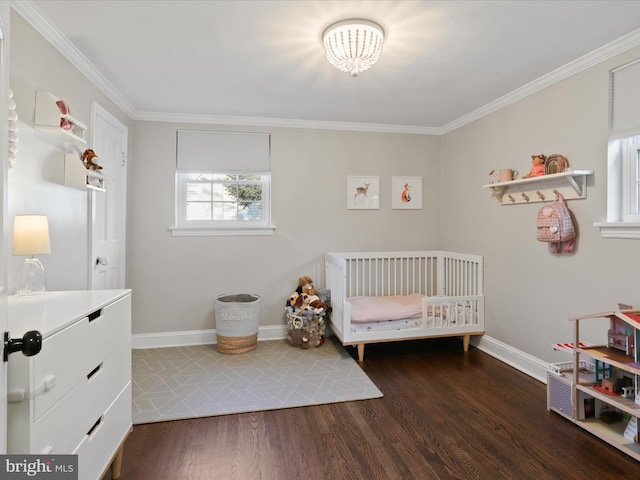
<point x="406" y="192"/>
<point x="363" y="193"/>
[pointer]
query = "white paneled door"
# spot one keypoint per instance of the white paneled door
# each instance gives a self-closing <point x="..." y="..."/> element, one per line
<point x="108" y="208"/>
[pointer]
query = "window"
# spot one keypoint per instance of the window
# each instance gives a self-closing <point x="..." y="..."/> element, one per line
<point x="223" y="184"/>
<point x="631" y="187"/>
<point x="623" y="180"/>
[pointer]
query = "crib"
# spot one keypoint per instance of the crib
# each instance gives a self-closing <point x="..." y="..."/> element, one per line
<point x="448" y="289"/>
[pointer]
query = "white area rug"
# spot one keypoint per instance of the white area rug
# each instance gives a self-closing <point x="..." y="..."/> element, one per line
<point x="197" y="381"/>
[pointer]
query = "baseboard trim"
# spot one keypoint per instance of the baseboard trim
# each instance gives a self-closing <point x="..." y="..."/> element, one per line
<point x="528" y="364"/>
<point x="197" y="337"/>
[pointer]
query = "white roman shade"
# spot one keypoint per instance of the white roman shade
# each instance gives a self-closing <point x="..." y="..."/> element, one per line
<point x="223" y="152"/>
<point x="626" y="100"/>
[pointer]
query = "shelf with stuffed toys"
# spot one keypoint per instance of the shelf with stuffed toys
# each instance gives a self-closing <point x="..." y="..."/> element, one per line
<point x="83" y="172"/>
<point x="53" y="117"/>
<point x="548" y="178"/>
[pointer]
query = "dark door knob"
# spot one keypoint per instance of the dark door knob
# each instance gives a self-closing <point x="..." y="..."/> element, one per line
<point x="30" y="344"/>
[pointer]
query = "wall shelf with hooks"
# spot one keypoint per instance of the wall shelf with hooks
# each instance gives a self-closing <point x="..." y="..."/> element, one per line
<point x="53" y="116"/>
<point x="572" y="184"/>
<point x="76" y="175"/>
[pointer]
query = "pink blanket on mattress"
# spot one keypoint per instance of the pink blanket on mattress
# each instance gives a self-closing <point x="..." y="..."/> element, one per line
<point x="393" y="307"/>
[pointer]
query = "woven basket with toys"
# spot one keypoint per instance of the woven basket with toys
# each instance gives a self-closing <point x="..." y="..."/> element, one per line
<point x="306" y="312"/>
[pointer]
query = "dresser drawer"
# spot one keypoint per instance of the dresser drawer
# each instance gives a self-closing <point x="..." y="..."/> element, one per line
<point x="68" y="356"/>
<point x="110" y="327"/>
<point x="64" y="425"/>
<point x="96" y="449"/>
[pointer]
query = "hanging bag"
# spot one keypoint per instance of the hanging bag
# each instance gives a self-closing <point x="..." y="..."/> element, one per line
<point x="556" y="227"/>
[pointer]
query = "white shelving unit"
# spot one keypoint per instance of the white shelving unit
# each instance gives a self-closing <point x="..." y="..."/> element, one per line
<point x="76" y="175"/>
<point x="48" y="119"/>
<point x="595" y="405"/>
<point x="572" y="184"/>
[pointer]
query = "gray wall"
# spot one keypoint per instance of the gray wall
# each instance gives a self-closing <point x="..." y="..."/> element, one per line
<point x="530" y="293"/>
<point x="176" y="279"/>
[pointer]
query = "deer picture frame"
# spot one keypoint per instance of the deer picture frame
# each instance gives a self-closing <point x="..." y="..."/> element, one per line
<point x="363" y="192"/>
<point x="406" y="193"/>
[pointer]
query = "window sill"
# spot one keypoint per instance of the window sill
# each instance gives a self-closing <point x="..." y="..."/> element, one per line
<point x="220" y="232"/>
<point x="618" y="230"/>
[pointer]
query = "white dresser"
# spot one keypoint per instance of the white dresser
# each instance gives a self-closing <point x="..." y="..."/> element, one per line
<point x="74" y="397"/>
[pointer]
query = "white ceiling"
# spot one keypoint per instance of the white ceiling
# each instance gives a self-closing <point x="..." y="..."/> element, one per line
<point x="443" y="62"/>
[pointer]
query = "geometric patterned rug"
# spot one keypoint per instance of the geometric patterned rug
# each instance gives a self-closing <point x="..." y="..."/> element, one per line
<point x="197" y="381"/>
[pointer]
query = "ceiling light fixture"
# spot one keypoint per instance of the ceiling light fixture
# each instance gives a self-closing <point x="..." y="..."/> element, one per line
<point x="353" y="45"/>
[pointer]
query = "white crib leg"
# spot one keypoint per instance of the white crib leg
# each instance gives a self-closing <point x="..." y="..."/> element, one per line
<point x="360" y="347"/>
<point x="465" y="342"/>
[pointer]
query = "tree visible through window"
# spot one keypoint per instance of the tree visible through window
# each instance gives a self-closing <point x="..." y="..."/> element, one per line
<point x="224" y="197"/>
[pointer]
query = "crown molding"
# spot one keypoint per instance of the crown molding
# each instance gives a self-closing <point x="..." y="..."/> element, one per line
<point x="44" y="27"/>
<point x="595" y="57"/>
<point x="282" y="123"/>
<point x="38" y="21"/>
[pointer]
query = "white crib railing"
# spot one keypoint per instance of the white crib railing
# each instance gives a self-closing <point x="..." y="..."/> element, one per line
<point x="450" y="282"/>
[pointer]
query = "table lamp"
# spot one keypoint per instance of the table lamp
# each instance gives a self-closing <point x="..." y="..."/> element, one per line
<point x="31" y="237"/>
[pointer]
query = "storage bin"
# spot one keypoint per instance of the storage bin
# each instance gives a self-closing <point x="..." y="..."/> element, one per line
<point x="305" y="332"/>
<point x="237" y="321"/>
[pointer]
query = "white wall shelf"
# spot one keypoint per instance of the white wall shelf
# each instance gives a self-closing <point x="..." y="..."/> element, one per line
<point x="49" y="119"/>
<point x="76" y="175"/>
<point x="572" y="184"/>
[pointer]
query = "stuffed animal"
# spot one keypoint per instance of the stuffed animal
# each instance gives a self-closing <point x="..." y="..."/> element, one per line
<point x="537" y="168"/>
<point x="305" y="285"/>
<point x="316" y="305"/>
<point x="90" y="160"/>
<point x="291" y="301"/>
<point x="310" y="335"/>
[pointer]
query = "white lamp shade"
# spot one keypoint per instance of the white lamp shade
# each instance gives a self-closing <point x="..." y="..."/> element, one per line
<point x="31" y="235"/>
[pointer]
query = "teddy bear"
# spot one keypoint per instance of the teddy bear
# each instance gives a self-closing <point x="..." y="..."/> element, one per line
<point x="305" y="285"/>
<point x="537" y="168"/>
<point x="314" y="302"/>
<point x="90" y="160"/>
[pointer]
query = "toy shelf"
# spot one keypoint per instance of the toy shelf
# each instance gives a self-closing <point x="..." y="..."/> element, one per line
<point x="605" y="402"/>
<point x="50" y="119"/>
<point x="612" y="357"/>
<point x="76" y="175"/>
<point x="613" y="434"/>
<point x="626" y="404"/>
<point x="572" y="184"/>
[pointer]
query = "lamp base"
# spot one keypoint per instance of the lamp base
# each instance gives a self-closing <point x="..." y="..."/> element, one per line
<point x="31" y="277"/>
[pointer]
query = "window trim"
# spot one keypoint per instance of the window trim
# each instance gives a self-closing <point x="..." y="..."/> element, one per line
<point x="619" y="222"/>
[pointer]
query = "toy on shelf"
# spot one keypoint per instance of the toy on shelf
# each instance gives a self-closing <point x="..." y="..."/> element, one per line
<point x="556" y="163"/>
<point x="506" y="175"/>
<point x="537" y="169"/>
<point x="90" y="160"/>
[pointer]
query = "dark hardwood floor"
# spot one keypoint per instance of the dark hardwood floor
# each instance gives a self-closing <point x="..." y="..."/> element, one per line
<point x="445" y="414"/>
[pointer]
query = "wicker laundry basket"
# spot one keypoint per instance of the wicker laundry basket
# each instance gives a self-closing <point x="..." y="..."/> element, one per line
<point x="237" y="321"/>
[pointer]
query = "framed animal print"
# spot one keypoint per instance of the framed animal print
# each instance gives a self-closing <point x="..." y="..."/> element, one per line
<point x="363" y="193"/>
<point x="406" y="193"/>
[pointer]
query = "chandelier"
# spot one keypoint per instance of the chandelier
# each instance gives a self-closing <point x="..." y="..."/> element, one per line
<point x="353" y="45"/>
